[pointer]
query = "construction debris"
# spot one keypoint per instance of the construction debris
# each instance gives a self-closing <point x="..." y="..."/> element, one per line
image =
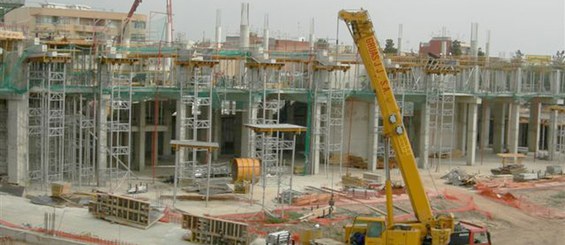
<point x="459" y="177"/>
<point x="138" y="189"/>
<point x="317" y="213"/>
<point x="60" y="189"/>
<point x="554" y="170"/>
<point x="509" y="169"/>
<point x="349" y="181"/>
<point x="278" y="238"/>
<point x="287" y="196"/>
<point x="14" y="190"/>
<point x="349" y="160"/>
<point x="197" y="197"/>
<point x="525" y="177"/>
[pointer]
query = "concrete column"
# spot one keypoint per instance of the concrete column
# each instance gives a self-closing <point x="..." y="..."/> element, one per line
<point x="180" y="129"/>
<point x="518" y="83"/>
<point x="102" y="142"/>
<point x="513" y="127"/>
<point x="424" y="136"/>
<point x="315" y="153"/>
<point x="248" y="136"/>
<point x="472" y="110"/>
<point x="552" y="134"/>
<point x="556" y="83"/>
<point x="140" y="139"/>
<point x="374" y="140"/>
<point x="534" y="126"/>
<point x="168" y="133"/>
<point x="498" y="127"/>
<point x="485" y="125"/>
<point x="18" y="141"/>
<point x="461" y="126"/>
<point x="216" y="131"/>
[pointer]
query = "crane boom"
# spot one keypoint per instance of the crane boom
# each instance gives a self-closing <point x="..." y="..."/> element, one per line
<point x="361" y="28"/>
<point x="128" y="18"/>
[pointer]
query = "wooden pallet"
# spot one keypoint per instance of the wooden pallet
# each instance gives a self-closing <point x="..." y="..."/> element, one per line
<point x="124" y="210"/>
<point x="208" y="230"/>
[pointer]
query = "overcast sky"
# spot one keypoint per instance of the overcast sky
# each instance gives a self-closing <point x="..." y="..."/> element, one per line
<point x="533" y="26"/>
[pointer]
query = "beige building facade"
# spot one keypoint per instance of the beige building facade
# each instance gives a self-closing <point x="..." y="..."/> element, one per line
<point x="56" y="21"/>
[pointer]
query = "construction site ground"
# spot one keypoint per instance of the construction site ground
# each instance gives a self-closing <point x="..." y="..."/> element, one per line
<point x="508" y="224"/>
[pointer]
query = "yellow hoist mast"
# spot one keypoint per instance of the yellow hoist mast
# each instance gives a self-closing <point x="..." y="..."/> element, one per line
<point x="361" y="29"/>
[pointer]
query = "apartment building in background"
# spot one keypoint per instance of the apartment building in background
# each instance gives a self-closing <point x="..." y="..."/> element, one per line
<point x="75" y="22"/>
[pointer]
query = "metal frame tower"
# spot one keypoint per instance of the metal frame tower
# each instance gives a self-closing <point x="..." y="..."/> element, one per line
<point x="116" y="75"/>
<point x="196" y="88"/>
<point x="47" y="77"/>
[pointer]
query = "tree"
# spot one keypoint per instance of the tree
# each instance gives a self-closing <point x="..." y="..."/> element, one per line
<point x="480" y="52"/>
<point x="322" y="44"/>
<point x="456" y="48"/>
<point x="518" y="57"/>
<point x="559" y="58"/>
<point x="389" y="47"/>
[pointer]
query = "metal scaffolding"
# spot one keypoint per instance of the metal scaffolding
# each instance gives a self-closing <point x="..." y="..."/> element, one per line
<point x="116" y="75"/>
<point x="3" y="138"/>
<point x="47" y="79"/>
<point x="81" y="139"/>
<point x="196" y="87"/>
<point x="329" y="97"/>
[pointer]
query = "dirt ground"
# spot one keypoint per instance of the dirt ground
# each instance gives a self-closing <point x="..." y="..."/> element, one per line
<point x="508" y="225"/>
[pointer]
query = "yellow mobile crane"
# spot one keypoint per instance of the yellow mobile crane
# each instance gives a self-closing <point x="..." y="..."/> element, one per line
<point x="428" y="229"/>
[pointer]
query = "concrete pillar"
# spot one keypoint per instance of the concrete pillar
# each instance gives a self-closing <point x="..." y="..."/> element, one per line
<point x="315" y="153"/>
<point x="534" y="126"/>
<point x="140" y="139"/>
<point x="168" y="133"/>
<point x="248" y="136"/>
<point x="244" y="27"/>
<point x="471" y="143"/>
<point x="18" y="141"/>
<point x="513" y="127"/>
<point x="461" y="127"/>
<point x="102" y="142"/>
<point x="374" y="139"/>
<point x="556" y="83"/>
<point x="552" y="134"/>
<point x="216" y="131"/>
<point x="485" y="126"/>
<point x="180" y="129"/>
<point x="424" y="136"/>
<point x="498" y="127"/>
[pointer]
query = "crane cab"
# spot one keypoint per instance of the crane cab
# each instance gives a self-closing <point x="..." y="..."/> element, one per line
<point x="374" y="231"/>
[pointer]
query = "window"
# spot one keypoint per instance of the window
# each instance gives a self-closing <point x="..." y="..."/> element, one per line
<point x="139" y="24"/>
<point x="136" y="37"/>
<point x="481" y="238"/>
<point x="375" y="229"/>
<point x="43" y="19"/>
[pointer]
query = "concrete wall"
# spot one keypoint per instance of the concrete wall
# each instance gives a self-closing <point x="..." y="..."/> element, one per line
<point x="357" y="129"/>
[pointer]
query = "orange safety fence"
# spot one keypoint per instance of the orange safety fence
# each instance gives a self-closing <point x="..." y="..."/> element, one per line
<point x="171" y="216"/>
<point x="520" y="203"/>
<point x="464" y="202"/>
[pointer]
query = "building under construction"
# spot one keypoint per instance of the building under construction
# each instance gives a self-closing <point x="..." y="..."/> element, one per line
<point x="85" y="103"/>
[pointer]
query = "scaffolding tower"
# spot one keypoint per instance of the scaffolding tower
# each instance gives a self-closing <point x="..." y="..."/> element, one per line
<point x="47" y="80"/>
<point x="81" y="139"/>
<point x="329" y="97"/>
<point x="440" y="99"/>
<point x="196" y="87"/>
<point x="116" y="75"/>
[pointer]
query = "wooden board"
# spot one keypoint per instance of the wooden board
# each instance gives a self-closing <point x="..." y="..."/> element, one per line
<point x="209" y="230"/>
<point x="124" y="210"/>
